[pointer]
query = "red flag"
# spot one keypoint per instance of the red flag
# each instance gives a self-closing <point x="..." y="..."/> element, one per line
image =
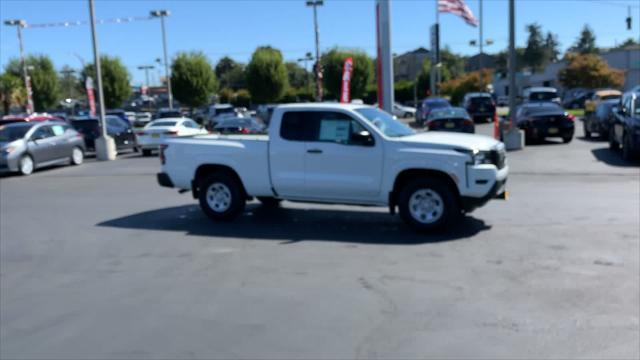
<point x="345" y="94"/>
<point x="458" y="7"/>
<point x="90" y="97"/>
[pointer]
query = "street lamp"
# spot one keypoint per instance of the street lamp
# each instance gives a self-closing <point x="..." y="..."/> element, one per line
<point x="162" y="14"/>
<point x="146" y="69"/>
<point x="318" y="72"/>
<point x="20" y="24"/>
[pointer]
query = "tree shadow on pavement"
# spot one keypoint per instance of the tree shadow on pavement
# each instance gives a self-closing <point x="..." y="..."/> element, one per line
<point x="294" y="225"/>
<point x="612" y="158"/>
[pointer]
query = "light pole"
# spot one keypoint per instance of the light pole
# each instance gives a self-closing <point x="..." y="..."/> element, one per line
<point x="162" y="14"/>
<point x="307" y="57"/>
<point x="19" y="24"/>
<point x="318" y="72"/>
<point x="146" y="69"/>
<point x="105" y="146"/>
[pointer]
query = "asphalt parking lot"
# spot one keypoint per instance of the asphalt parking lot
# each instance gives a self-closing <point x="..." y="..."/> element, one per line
<point x="97" y="261"/>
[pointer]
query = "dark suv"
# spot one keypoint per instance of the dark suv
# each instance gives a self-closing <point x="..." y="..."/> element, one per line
<point x="480" y="106"/>
<point x="625" y="130"/>
<point x="117" y="128"/>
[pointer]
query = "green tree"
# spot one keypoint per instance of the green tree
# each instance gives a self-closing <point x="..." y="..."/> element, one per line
<point x="226" y="96"/>
<point x="551" y="46"/>
<point x="44" y="80"/>
<point x="586" y="42"/>
<point x="298" y="77"/>
<point x="230" y="73"/>
<point x="403" y="91"/>
<point x="535" y="53"/>
<point x="424" y="80"/>
<point x="470" y="82"/>
<point x="115" y="80"/>
<point x="69" y="83"/>
<point x="589" y="71"/>
<point x="12" y="91"/>
<point x="502" y="61"/>
<point x="193" y="80"/>
<point x="452" y="64"/>
<point x="333" y="65"/>
<point x="242" y="98"/>
<point x="266" y="75"/>
<point x="625" y="44"/>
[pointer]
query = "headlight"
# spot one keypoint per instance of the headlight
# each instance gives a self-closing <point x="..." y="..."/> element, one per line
<point x="481" y="157"/>
<point x="8" y="150"/>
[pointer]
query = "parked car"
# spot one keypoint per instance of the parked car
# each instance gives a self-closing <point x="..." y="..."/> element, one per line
<point x="157" y="131"/>
<point x="541" y="120"/>
<point x="599" y="120"/>
<point x="450" y="119"/>
<point x="598" y="96"/>
<point x="26" y="146"/>
<point x="120" y="130"/>
<point x="213" y="122"/>
<point x="502" y="100"/>
<point x="402" y="111"/>
<point x="238" y="125"/>
<point x="142" y="118"/>
<point x="119" y="113"/>
<point x="340" y="153"/>
<point x="426" y="106"/>
<point x="220" y="109"/>
<point x="166" y="113"/>
<point x="480" y="106"/>
<point x="625" y="130"/>
<point x="540" y="94"/>
<point x="264" y="112"/>
<point x="575" y="98"/>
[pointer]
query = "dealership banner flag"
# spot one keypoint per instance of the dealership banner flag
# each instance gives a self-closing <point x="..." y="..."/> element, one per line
<point x="90" y="96"/>
<point x="345" y="94"/>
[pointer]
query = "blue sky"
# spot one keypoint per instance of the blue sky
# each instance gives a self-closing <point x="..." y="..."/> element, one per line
<point x="236" y="28"/>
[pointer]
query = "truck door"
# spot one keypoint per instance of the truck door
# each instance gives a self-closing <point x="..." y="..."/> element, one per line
<point x="343" y="160"/>
<point x="287" y="154"/>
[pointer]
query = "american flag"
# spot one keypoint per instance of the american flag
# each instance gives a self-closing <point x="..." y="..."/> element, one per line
<point x="458" y="7"/>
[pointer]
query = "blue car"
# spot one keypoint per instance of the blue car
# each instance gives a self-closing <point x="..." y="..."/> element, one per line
<point x="625" y="130"/>
<point x="426" y="106"/>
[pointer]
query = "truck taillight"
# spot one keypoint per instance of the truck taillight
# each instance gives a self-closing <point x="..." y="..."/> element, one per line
<point x="163" y="159"/>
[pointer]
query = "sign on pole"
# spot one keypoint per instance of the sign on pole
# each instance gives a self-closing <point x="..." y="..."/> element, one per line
<point x="345" y="96"/>
<point x="90" y="97"/>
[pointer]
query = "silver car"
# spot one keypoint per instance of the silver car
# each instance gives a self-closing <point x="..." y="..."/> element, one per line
<point x="27" y="146"/>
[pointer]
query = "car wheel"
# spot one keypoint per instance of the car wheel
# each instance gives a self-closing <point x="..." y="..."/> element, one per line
<point x="146" y="152"/>
<point x="567" y="139"/>
<point x="587" y="133"/>
<point x="26" y="165"/>
<point x="428" y="204"/>
<point x="269" y="201"/>
<point x="221" y="197"/>
<point x="77" y="156"/>
<point x="627" y="154"/>
<point x="613" y="144"/>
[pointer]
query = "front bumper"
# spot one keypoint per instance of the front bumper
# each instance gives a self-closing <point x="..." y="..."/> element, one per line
<point x="497" y="191"/>
<point x="9" y="163"/>
<point x="164" y="180"/>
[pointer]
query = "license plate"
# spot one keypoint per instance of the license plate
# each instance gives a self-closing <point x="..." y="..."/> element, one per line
<point x="552" y="130"/>
<point x="155" y="135"/>
<point x="449" y="125"/>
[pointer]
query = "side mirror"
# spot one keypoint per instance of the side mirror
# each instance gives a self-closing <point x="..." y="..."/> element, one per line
<point x="363" y="138"/>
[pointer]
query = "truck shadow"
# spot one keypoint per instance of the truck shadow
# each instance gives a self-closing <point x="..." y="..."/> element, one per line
<point x="294" y="225"/>
<point x="611" y="157"/>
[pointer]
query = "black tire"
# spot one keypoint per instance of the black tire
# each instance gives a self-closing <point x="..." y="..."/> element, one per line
<point x="587" y="133"/>
<point x="26" y="170"/>
<point x="627" y="153"/>
<point x="236" y="199"/>
<point x="77" y="158"/>
<point x="567" y="139"/>
<point x="146" y="152"/>
<point x="613" y="144"/>
<point x="269" y="201"/>
<point x="450" y="209"/>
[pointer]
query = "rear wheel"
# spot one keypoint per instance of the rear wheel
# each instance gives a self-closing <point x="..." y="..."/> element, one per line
<point x="627" y="151"/>
<point x="587" y="133"/>
<point x="146" y="152"/>
<point x="567" y="139"/>
<point x="428" y="204"/>
<point x="26" y="165"/>
<point x="613" y="144"/>
<point x="77" y="156"/>
<point x="269" y="201"/>
<point x="221" y="197"/>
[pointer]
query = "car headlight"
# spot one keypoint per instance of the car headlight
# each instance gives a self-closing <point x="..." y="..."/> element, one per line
<point x="8" y="150"/>
<point x="481" y="157"/>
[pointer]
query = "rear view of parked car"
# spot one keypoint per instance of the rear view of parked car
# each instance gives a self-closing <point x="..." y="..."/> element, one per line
<point x="480" y="106"/>
<point x="120" y="130"/>
<point x="541" y="120"/>
<point x="154" y="134"/>
<point x="541" y="94"/>
<point x="625" y="130"/>
<point x="27" y="146"/>
<point x="450" y="119"/>
<point x="600" y="119"/>
<point x="426" y="106"/>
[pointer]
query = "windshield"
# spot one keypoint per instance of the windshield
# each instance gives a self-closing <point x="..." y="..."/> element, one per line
<point x="481" y="100"/>
<point x="385" y="122"/>
<point x="544" y="109"/>
<point x="12" y="133"/>
<point x="436" y="104"/>
<point x="542" y="96"/>
<point x="449" y="113"/>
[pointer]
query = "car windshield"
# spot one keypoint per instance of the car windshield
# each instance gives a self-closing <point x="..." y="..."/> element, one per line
<point x="551" y="107"/>
<point x="481" y="100"/>
<point x="448" y="113"/>
<point x="12" y="133"/>
<point x="385" y="122"/>
<point x="163" y="123"/>
<point x="436" y="104"/>
<point x="542" y="95"/>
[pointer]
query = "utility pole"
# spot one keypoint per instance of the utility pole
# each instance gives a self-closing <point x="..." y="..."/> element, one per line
<point x="105" y="146"/>
<point x="20" y="24"/>
<point x="162" y="14"/>
<point x="318" y="67"/>
<point x="146" y="69"/>
<point x="385" y="59"/>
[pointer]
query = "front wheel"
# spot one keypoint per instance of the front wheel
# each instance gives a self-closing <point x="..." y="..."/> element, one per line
<point x="428" y="204"/>
<point x="221" y="197"/>
<point x="77" y="156"/>
<point x="627" y="152"/>
<point x="26" y="165"/>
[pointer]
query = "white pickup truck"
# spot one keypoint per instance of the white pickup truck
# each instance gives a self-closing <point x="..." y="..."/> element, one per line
<point x="340" y="154"/>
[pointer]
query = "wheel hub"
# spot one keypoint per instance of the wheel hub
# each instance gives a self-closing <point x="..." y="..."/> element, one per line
<point x="219" y="197"/>
<point x="426" y="206"/>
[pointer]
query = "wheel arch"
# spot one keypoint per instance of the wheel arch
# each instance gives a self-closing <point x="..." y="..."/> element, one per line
<point x="207" y="169"/>
<point x="407" y="175"/>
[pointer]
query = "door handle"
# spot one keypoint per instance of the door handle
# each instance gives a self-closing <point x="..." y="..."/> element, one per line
<point x="314" y="151"/>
